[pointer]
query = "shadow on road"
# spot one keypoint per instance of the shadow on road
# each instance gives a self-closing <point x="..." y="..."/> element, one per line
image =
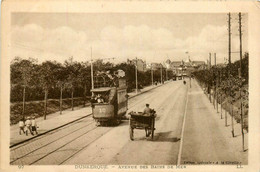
<point x="160" y="137"/>
<point x="165" y="137"/>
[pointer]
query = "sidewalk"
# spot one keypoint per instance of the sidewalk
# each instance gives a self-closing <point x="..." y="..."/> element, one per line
<point x="206" y="138"/>
<point x="57" y="120"/>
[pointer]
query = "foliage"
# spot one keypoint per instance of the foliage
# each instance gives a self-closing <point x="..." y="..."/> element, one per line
<point x="226" y="80"/>
<point x="71" y="75"/>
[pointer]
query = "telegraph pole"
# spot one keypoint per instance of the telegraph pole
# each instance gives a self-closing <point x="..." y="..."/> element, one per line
<point x="152" y="72"/>
<point x="161" y="75"/>
<point x="136" y="81"/>
<point x="209" y="60"/>
<point x="216" y="83"/>
<point x="240" y="77"/>
<point x="209" y="88"/>
<point x="92" y="75"/>
<point x="219" y="82"/>
<point x="229" y="39"/>
<point x="166" y="74"/>
<point x="229" y="65"/>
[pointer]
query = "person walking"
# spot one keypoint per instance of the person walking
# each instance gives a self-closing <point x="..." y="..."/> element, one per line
<point x="21" y="126"/>
<point x="34" y="125"/>
<point x="28" y="125"/>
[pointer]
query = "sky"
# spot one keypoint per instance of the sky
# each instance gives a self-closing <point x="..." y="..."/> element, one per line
<point x="153" y="37"/>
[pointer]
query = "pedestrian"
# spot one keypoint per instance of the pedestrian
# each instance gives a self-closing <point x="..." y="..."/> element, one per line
<point x="21" y="126"/>
<point x="34" y="125"/>
<point x="28" y="125"/>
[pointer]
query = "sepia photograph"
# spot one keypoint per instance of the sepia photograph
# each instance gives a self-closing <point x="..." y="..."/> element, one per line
<point x="128" y="90"/>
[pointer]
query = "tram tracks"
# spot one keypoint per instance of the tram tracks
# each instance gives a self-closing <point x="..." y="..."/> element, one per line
<point x="62" y="146"/>
<point x="53" y="147"/>
<point x="41" y="141"/>
<point x="74" y="127"/>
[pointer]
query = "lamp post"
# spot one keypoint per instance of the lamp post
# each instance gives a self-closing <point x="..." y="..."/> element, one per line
<point x="152" y="72"/>
<point x="161" y="74"/>
<point x="136" y="81"/>
<point x="92" y="75"/>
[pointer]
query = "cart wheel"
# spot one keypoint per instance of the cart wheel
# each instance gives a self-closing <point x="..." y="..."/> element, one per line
<point x="118" y="121"/>
<point x="146" y="132"/>
<point x="131" y="132"/>
<point x="152" y="128"/>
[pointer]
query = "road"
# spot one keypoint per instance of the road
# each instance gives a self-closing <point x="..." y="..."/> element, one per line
<point x="186" y="131"/>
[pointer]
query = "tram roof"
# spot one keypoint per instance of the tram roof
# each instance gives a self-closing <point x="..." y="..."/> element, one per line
<point x="102" y="89"/>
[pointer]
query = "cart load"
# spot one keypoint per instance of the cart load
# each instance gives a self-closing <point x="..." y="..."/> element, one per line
<point x="140" y="120"/>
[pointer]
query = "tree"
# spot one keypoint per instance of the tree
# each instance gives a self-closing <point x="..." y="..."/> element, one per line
<point x="73" y="71"/>
<point x="21" y="74"/>
<point x="61" y="81"/>
<point x="84" y="79"/>
<point x="47" y="73"/>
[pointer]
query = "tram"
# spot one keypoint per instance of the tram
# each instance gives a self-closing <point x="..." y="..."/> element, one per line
<point x="109" y="99"/>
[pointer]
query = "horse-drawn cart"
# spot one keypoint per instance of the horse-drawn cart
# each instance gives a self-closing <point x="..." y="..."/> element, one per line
<point x="139" y="120"/>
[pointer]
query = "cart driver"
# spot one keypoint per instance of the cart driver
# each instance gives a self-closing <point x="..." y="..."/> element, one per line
<point x="147" y="110"/>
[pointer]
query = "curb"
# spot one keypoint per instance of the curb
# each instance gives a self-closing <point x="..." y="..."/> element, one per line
<point x="21" y="142"/>
<point x="148" y="90"/>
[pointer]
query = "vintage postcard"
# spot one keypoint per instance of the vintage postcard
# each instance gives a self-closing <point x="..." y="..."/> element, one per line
<point x="130" y="85"/>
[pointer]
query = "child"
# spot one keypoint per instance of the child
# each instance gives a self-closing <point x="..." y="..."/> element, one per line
<point x="21" y="126"/>
<point x="28" y="124"/>
<point x="34" y="125"/>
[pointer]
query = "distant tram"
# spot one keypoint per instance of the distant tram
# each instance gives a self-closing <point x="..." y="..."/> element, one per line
<point x="109" y="99"/>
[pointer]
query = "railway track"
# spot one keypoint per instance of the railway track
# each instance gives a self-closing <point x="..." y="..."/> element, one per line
<point x="58" y="146"/>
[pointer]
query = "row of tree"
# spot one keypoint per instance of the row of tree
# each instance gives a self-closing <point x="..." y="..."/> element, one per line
<point x="31" y="81"/>
<point x="224" y="84"/>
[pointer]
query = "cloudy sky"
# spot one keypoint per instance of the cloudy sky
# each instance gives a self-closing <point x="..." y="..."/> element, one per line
<point x="153" y="37"/>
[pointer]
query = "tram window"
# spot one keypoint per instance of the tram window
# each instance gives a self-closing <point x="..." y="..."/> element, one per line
<point x="101" y="97"/>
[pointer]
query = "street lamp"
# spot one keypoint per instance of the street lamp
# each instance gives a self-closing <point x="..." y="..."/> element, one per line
<point x="136" y="81"/>
<point x="92" y="74"/>
<point x="152" y="72"/>
<point x="161" y="74"/>
<point x="167" y="67"/>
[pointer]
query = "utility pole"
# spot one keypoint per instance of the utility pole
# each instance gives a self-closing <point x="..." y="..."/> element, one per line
<point x="229" y="39"/>
<point x="61" y="99"/>
<point x="209" y="60"/>
<point x="152" y="72"/>
<point x="190" y="80"/>
<point x="209" y="88"/>
<point x="240" y="77"/>
<point x="166" y="74"/>
<point x="23" y="102"/>
<point x="215" y="58"/>
<point x="161" y="75"/>
<point x="91" y="60"/>
<point x="216" y="83"/>
<point x="136" y="81"/>
<point x="219" y="82"/>
<point x="229" y="65"/>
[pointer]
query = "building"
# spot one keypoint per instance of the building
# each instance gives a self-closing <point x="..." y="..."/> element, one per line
<point x="198" y="63"/>
<point x="141" y="65"/>
<point x="176" y="67"/>
<point x="186" y="67"/>
<point x="156" y="66"/>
